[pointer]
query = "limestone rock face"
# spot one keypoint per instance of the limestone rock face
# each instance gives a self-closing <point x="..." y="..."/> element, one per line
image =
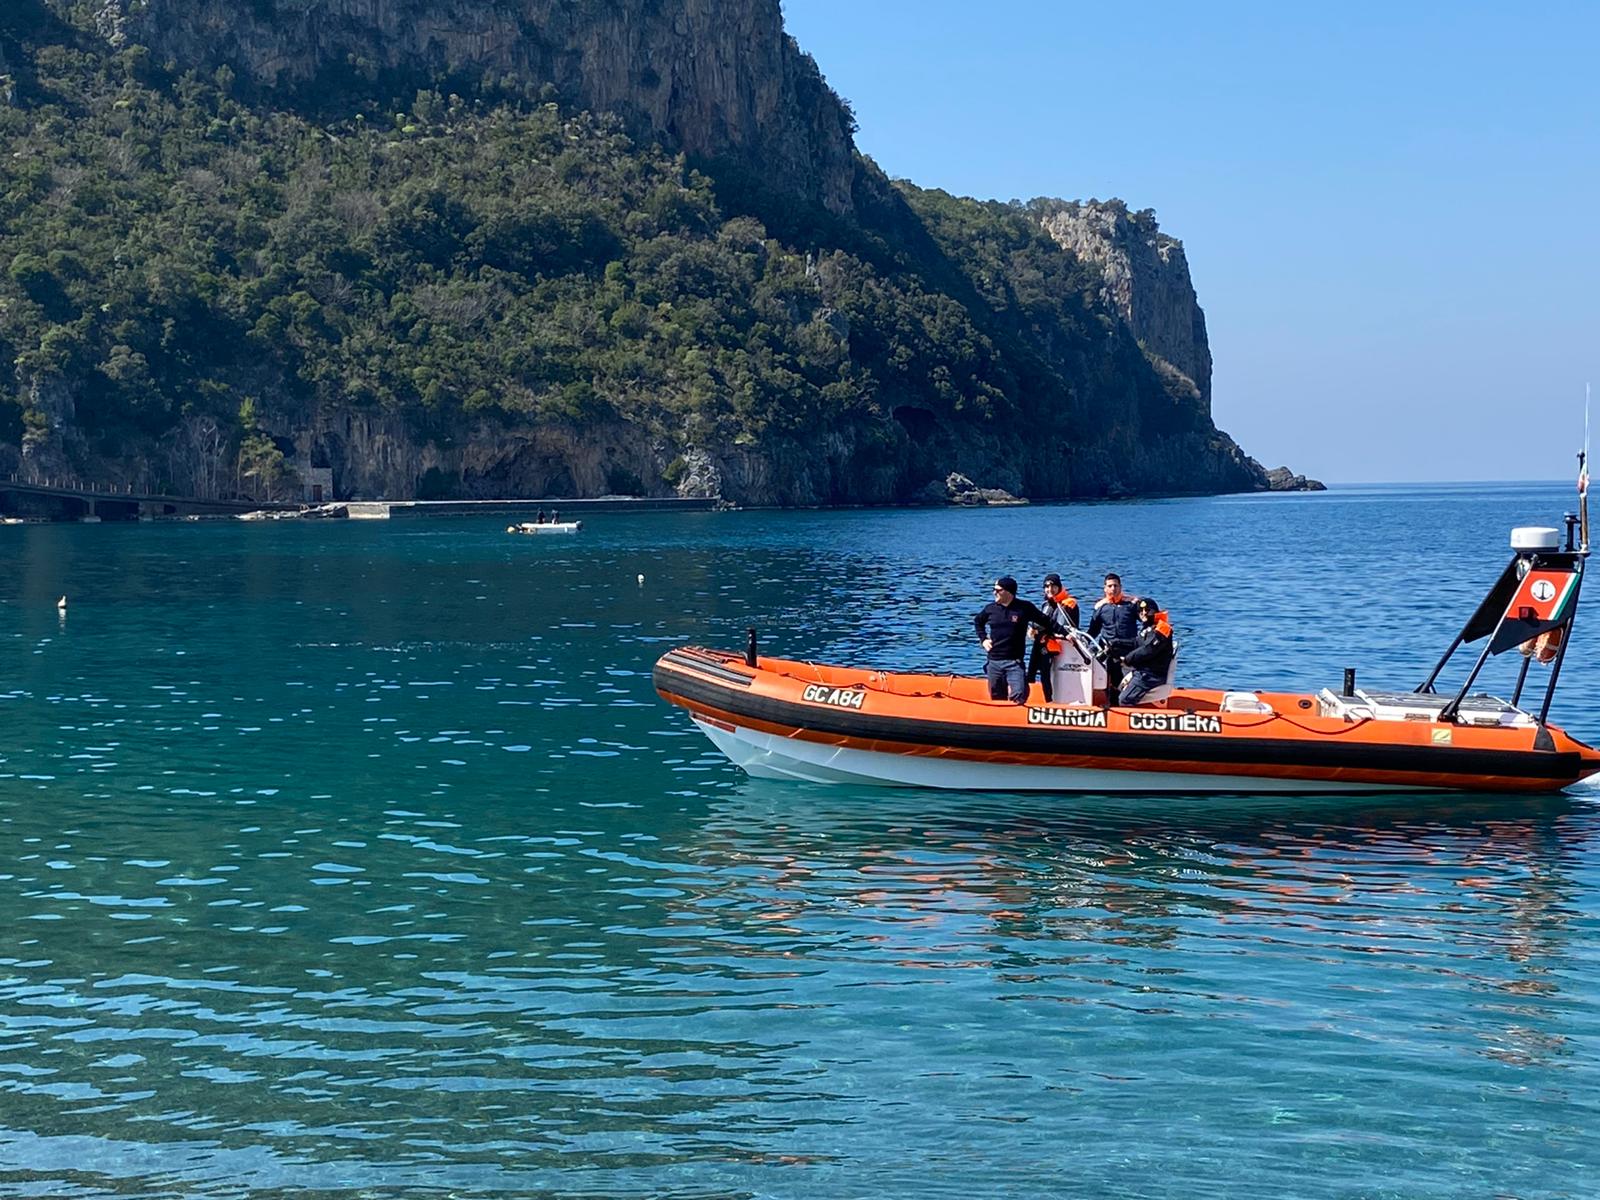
<point x="372" y="455"/>
<point x="8" y="82"/>
<point x="961" y="490"/>
<point x="1146" y="281"/>
<point x="48" y="452"/>
<point x="109" y="23"/>
<point x="1281" y="479"/>
<point x="702" y="476"/>
<point x="717" y="78"/>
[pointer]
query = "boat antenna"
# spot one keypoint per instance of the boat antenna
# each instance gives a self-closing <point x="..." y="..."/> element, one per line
<point x="1583" y="478"/>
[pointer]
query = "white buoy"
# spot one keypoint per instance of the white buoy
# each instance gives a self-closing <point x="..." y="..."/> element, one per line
<point x="641" y="581"/>
<point x="62" y="603"/>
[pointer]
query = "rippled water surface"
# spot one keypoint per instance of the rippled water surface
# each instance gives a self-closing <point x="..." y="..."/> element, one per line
<point x="361" y="859"/>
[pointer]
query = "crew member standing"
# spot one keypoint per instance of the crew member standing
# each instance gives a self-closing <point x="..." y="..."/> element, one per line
<point x="1115" y="620"/>
<point x="1060" y="605"/>
<point x="1002" y="628"/>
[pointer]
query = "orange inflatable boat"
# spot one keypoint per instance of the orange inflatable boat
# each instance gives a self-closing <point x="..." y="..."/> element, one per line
<point x="786" y="719"/>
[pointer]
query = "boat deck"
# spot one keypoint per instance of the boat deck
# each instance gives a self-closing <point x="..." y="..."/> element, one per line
<point x="1479" y="709"/>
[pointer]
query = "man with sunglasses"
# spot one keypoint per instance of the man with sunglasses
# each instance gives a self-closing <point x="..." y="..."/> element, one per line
<point x="1002" y="629"/>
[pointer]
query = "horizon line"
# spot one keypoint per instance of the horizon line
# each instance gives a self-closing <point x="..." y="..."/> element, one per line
<point x="1419" y="482"/>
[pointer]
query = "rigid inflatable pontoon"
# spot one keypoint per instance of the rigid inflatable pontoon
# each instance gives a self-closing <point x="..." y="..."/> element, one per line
<point x="784" y="719"/>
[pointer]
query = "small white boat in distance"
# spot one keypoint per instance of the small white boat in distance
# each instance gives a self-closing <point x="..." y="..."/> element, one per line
<point x="545" y="527"/>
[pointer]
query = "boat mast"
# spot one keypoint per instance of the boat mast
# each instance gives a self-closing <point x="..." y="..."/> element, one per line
<point x="1575" y="556"/>
<point x="1582" y="557"/>
<point x="1570" y="560"/>
<point x="1583" y="478"/>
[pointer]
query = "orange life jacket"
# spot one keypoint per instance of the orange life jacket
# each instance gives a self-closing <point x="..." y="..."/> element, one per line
<point x="1053" y="645"/>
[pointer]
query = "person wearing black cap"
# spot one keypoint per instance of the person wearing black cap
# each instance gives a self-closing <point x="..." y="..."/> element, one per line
<point x="1148" y="661"/>
<point x="1002" y="628"/>
<point x="1060" y="605"/>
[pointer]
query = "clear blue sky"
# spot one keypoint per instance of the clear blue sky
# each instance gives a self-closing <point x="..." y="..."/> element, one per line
<point x="1389" y="209"/>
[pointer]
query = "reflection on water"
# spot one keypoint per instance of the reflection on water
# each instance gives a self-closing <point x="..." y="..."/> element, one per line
<point x="366" y="861"/>
<point x="1481" y="889"/>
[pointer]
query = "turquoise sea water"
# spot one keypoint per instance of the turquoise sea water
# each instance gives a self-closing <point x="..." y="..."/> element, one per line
<point x="362" y="860"/>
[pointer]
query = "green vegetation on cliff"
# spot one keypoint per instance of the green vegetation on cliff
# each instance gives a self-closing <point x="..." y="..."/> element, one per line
<point x="184" y="274"/>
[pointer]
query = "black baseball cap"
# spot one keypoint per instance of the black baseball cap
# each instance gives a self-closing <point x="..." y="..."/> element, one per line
<point x="1006" y="583"/>
<point x="1053" y="578"/>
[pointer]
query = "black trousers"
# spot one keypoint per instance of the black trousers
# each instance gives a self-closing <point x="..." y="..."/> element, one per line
<point x="1139" y="684"/>
<point x="1041" y="666"/>
<point x="1114" y="670"/>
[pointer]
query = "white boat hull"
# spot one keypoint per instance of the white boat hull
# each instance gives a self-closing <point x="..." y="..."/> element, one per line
<point x="769" y="756"/>
<point x="531" y="529"/>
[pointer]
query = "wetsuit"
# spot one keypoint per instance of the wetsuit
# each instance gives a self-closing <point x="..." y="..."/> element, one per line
<point x="1006" y="627"/>
<point x="1119" y="624"/>
<point x="1064" y="610"/>
<point x="1148" y="661"/>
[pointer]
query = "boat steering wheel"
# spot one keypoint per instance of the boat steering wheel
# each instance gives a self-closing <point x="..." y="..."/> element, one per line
<point x="1094" y="646"/>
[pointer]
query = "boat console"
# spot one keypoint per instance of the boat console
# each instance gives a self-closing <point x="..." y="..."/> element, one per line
<point x="1078" y="674"/>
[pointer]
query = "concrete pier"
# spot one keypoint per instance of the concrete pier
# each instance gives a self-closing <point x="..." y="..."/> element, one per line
<point x="71" y="500"/>
<point x="388" y="510"/>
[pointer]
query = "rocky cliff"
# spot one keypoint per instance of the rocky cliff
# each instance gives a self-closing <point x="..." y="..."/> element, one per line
<point x="715" y="78"/>
<point x="540" y="247"/>
<point x="1146" y="281"/>
<point x="1281" y="479"/>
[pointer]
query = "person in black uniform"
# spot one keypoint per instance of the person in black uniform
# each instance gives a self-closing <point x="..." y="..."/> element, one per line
<point x="1115" y="619"/>
<point x="1148" y="661"/>
<point x="1063" y="607"/>
<point x="1002" y="628"/>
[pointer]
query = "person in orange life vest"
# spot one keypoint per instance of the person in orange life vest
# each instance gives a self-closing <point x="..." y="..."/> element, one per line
<point x="1002" y="628"/>
<point x="1059" y="604"/>
<point x="1115" y="619"/>
<point x="1148" y="661"/>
